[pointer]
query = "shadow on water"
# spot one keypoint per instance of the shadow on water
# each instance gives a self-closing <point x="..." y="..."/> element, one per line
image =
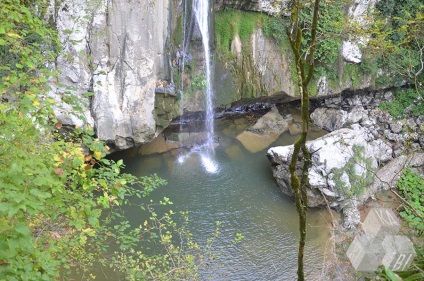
<point x="245" y="198"/>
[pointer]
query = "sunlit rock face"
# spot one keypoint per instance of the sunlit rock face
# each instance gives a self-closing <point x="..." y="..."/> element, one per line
<point x="115" y="50"/>
<point x="360" y="13"/>
<point x="75" y="75"/>
<point x="130" y="59"/>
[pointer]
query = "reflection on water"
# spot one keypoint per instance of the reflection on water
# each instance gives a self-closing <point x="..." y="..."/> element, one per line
<point x="242" y="194"/>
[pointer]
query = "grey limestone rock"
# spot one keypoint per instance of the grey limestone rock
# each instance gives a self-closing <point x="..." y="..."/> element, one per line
<point x="122" y="66"/>
<point x="329" y="119"/>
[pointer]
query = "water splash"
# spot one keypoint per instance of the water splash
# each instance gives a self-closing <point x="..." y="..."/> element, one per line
<point x="210" y="165"/>
<point x="207" y="160"/>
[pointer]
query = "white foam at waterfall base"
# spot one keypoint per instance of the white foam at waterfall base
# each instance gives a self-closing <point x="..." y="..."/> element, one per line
<point x="206" y="158"/>
<point x="209" y="164"/>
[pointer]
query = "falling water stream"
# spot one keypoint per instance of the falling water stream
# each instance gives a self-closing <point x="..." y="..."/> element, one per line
<point x="201" y="10"/>
<point x="206" y="151"/>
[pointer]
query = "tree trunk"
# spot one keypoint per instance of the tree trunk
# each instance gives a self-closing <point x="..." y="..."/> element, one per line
<point x="299" y="185"/>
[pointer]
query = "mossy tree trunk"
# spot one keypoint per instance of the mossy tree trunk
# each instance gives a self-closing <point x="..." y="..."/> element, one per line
<point x="304" y="69"/>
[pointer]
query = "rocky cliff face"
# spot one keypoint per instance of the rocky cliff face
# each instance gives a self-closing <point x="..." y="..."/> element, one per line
<point x="117" y="51"/>
<point x="262" y="67"/>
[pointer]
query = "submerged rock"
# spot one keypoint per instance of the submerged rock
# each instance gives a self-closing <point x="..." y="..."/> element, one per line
<point x="295" y="129"/>
<point x="265" y="131"/>
<point x="158" y="145"/>
<point x="256" y="142"/>
<point x="234" y="152"/>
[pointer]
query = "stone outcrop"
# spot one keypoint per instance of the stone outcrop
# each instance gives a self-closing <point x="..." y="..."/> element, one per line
<point x="265" y="131"/>
<point x="360" y="13"/>
<point x="351" y="52"/>
<point x="117" y="51"/>
<point x="260" y="68"/>
<point x="349" y="164"/>
<point x="75" y="74"/>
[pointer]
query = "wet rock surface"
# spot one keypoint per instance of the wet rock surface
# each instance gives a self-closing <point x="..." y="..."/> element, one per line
<point x="265" y="131"/>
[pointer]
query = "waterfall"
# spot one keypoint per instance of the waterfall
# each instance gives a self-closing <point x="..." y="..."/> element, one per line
<point x="206" y="152"/>
<point x="184" y="52"/>
<point x="201" y="11"/>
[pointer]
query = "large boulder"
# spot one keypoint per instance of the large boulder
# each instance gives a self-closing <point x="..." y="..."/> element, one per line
<point x="265" y="131"/>
<point x="342" y="168"/>
<point x="329" y="119"/>
<point x="388" y="176"/>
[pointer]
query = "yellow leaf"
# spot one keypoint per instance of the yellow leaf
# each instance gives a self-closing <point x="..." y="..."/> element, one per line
<point x="89" y="231"/>
<point x="97" y="155"/>
<point x="13" y="35"/>
<point x="36" y="103"/>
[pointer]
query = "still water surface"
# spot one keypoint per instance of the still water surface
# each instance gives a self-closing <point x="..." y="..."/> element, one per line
<point x="244" y="197"/>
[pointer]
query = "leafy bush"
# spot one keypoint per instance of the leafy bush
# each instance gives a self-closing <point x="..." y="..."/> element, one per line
<point x="60" y="197"/>
<point x="358" y="181"/>
<point x="411" y="187"/>
<point x="331" y="26"/>
<point x="396" y="39"/>
<point x="275" y="27"/>
<point x="199" y="82"/>
<point x="406" y="103"/>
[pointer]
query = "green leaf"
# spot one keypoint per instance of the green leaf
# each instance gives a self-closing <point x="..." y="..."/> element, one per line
<point x="22" y="229"/>
<point x="391" y="275"/>
<point x="4" y="207"/>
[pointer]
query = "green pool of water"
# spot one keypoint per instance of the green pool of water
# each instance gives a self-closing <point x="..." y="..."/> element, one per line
<point x="245" y="198"/>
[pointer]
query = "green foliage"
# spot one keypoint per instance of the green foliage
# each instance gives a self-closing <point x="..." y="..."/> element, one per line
<point x="60" y="197"/>
<point x="177" y="35"/>
<point x="399" y="12"/>
<point x="406" y="103"/>
<point x="354" y="73"/>
<point x="230" y="22"/>
<point x="275" y="28"/>
<point x="397" y="40"/>
<point x="199" y="82"/>
<point x="411" y="187"/>
<point x="331" y="26"/>
<point x="359" y="171"/>
<point x="414" y="273"/>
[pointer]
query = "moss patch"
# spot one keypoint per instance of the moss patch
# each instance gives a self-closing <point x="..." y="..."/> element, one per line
<point x="230" y="22"/>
